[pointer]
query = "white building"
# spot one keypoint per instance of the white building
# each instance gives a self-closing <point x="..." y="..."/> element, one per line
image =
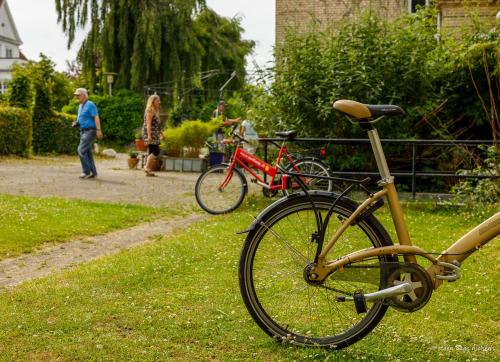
<point x="9" y="46"/>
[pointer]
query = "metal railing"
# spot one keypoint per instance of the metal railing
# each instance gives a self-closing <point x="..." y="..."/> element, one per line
<point x="413" y="173"/>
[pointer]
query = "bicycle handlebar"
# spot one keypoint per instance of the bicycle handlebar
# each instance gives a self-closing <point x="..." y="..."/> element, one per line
<point x="236" y="135"/>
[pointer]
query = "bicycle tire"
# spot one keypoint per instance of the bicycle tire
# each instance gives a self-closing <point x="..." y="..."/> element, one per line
<point x="310" y="166"/>
<point x="214" y="200"/>
<point x="271" y="278"/>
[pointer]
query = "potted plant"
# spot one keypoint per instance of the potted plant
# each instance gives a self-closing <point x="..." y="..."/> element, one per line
<point x="182" y="145"/>
<point x="132" y="159"/>
<point x="140" y="145"/>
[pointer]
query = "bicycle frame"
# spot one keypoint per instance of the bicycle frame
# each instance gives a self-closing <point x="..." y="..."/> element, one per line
<point x="448" y="260"/>
<point x="248" y="161"/>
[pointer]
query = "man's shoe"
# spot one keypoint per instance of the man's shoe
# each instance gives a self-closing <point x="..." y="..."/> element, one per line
<point x="85" y="176"/>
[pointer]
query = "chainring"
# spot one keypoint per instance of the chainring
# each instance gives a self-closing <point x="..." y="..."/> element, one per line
<point x="269" y="193"/>
<point x="420" y="282"/>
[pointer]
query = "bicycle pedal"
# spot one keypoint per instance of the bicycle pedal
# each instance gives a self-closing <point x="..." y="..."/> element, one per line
<point x="253" y="180"/>
<point x="359" y="302"/>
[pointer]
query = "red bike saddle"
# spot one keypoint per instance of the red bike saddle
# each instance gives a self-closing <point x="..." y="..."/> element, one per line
<point x="287" y="134"/>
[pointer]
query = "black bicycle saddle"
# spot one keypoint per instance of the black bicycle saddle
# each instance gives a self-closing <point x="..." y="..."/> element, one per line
<point x="364" y="111"/>
<point x="291" y="134"/>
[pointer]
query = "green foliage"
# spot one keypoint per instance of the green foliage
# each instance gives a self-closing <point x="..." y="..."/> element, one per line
<point x="42" y="125"/>
<point x="55" y="135"/>
<point x="120" y="115"/>
<point x="481" y="190"/>
<point x="57" y="84"/>
<point x="149" y="42"/>
<point x="20" y="91"/>
<point x="15" y="131"/>
<point x="50" y="131"/>
<point x="65" y="138"/>
<point x="448" y="88"/>
<point x="187" y="139"/>
<point x="372" y="61"/>
<point x="42" y="109"/>
<point x="62" y="90"/>
<point x="172" y="142"/>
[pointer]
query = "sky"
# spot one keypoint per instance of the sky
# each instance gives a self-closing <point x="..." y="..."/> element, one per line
<point x="36" y="22"/>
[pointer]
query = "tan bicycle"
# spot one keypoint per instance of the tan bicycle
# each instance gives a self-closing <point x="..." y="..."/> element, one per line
<point x="318" y="269"/>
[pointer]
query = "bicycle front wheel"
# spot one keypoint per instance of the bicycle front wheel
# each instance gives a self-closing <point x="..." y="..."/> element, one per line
<point x="219" y="191"/>
<point x="272" y="266"/>
<point x="310" y="166"/>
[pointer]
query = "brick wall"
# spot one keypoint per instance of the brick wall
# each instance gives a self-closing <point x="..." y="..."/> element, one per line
<point x="299" y="14"/>
<point x="456" y="13"/>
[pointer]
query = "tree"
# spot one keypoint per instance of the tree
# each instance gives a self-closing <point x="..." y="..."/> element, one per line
<point x="27" y="77"/>
<point x="20" y="91"/>
<point x="151" y="41"/>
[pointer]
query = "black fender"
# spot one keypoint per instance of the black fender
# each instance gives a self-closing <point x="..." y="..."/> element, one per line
<point x="291" y="198"/>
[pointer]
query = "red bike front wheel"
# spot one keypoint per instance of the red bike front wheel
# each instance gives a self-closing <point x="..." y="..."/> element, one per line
<point x="219" y="190"/>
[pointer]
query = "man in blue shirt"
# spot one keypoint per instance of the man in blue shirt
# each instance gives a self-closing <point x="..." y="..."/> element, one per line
<point x="90" y="128"/>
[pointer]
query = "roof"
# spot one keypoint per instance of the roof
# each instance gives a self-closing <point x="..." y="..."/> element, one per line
<point x="16" y="39"/>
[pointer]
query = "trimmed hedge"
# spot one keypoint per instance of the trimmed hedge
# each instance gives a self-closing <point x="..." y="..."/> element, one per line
<point x="65" y="138"/>
<point x="55" y="135"/>
<point x="15" y="131"/>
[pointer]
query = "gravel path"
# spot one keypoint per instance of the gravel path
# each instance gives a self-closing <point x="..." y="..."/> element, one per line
<point x="116" y="183"/>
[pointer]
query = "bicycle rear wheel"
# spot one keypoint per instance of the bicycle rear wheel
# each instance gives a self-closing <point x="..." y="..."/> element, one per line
<point x="271" y="274"/>
<point x="218" y="192"/>
<point x="310" y="166"/>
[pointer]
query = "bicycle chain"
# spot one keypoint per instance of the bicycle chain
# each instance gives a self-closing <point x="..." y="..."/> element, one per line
<point x="336" y="290"/>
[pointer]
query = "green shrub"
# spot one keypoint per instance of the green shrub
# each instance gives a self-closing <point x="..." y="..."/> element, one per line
<point x="43" y="129"/>
<point x="15" y="131"/>
<point x="481" y="190"/>
<point x="172" y="142"/>
<point x="20" y="91"/>
<point x="66" y="138"/>
<point x="120" y="115"/>
<point x="448" y="87"/>
<point x="55" y="134"/>
<point x="187" y="139"/>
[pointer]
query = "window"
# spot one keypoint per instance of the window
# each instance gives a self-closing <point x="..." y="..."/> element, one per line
<point x="3" y="86"/>
<point x="8" y="52"/>
<point x="412" y="5"/>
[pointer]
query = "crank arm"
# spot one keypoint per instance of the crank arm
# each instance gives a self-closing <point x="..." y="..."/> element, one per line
<point x="399" y="289"/>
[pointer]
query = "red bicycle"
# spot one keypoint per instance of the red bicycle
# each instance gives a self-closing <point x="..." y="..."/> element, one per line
<point x="222" y="188"/>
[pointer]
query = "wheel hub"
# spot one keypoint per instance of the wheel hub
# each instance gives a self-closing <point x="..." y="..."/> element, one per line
<point x="310" y="277"/>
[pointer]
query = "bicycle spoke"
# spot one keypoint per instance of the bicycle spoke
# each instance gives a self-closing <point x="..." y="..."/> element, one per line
<point x="217" y="191"/>
<point x="286" y="243"/>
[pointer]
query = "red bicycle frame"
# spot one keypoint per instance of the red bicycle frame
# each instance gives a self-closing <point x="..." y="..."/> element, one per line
<point x="248" y="161"/>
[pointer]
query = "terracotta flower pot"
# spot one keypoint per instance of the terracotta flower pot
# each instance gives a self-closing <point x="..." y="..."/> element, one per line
<point x="140" y="145"/>
<point x="132" y="162"/>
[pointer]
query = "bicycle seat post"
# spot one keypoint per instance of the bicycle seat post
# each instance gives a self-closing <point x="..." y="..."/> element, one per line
<point x="378" y="152"/>
<point x="387" y="182"/>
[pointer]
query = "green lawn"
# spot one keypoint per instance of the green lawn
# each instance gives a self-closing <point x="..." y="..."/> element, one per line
<point x="178" y="299"/>
<point x="29" y="222"/>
